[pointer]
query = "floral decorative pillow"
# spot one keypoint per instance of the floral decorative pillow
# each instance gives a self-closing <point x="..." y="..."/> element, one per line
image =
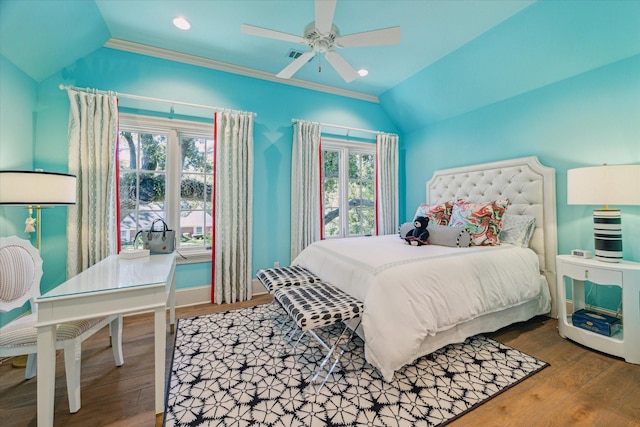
<point x="483" y="220"/>
<point x="437" y="214"/>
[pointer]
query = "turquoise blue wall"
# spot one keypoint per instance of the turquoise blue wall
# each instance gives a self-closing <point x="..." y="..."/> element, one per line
<point x="547" y="42"/>
<point x="559" y="80"/>
<point x="17" y="112"/>
<point x="17" y="115"/>
<point x="275" y="104"/>
<point x="589" y="119"/>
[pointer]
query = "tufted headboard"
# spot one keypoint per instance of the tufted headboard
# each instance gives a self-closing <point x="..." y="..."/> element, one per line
<point x="530" y="188"/>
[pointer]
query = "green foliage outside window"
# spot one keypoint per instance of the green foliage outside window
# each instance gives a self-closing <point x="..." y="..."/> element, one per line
<point x="360" y="197"/>
<point x="143" y="158"/>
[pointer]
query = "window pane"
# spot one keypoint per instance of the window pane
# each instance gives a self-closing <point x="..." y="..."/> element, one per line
<point x="153" y="149"/>
<point x="361" y="194"/>
<point x="195" y="228"/>
<point x="354" y="222"/>
<point x="193" y="190"/>
<point x="194" y="154"/>
<point x="128" y="228"/>
<point x="128" y="190"/>
<point x="128" y="150"/>
<point x="330" y="161"/>
<point x="142" y="182"/>
<point x="357" y="182"/>
<point x="209" y="181"/>
<point x="367" y="220"/>
<point x="354" y="166"/>
<point x="368" y="168"/>
<point x="151" y="188"/>
<point x="331" y="222"/>
<point x="331" y="192"/>
<point x="196" y="188"/>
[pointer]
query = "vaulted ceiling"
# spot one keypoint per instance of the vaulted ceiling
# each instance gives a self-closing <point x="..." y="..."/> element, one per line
<point x="41" y="37"/>
<point x="454" y="55"/>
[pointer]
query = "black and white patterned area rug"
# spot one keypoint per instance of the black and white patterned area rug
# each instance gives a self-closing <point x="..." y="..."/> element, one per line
<point x="227" y="371"/>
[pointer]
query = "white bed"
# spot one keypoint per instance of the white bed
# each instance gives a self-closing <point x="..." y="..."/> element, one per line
<point x="419" y="299"/>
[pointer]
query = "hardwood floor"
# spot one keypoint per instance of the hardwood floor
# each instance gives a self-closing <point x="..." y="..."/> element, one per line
<point x="580" y="388"/>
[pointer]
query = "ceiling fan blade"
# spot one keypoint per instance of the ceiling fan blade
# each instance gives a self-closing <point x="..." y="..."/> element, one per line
<point x="343" y="68"/>
<point x="324" y="15"/>
<point x="291" y="69"/>
<point x="272" y="34"/>
<point x="381" y="37"/>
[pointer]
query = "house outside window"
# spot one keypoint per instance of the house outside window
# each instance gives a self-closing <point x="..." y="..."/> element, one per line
<point x="166" y="173"/>
<point x="348" y="188"/>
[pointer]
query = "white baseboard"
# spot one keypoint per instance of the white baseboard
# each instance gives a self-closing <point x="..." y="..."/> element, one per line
<point x="202" y="294"/>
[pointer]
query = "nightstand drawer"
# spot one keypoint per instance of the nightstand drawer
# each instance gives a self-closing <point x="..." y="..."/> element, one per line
<point x="593" y="274"/>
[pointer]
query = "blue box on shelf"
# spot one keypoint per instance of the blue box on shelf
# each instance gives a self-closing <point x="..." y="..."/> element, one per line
<point x="596" y="322"/>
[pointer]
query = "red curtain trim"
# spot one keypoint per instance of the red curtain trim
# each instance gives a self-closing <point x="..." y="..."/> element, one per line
<point x="377" y="188"/>
<point x="213" y="209"/>
<point x="320" y="175"/>
<point x="117" y="160"/>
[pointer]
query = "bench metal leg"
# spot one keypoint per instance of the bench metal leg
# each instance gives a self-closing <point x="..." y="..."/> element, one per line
<point x="330" y="353"/>
<point x="281" y="329"/>
<point x="290" y="335"/>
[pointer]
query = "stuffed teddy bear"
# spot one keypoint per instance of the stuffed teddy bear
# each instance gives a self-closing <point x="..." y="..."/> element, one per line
<point x="419" y="235"/>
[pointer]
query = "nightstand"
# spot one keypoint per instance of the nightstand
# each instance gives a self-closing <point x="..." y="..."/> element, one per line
<point x="625" y="274"/>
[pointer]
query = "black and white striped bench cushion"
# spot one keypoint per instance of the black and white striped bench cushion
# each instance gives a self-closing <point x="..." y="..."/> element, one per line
<point x="317" y="305"/>
<point x="282" y="277"/>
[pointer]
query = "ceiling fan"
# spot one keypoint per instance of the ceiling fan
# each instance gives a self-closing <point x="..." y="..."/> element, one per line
<point x="323" y="37"/>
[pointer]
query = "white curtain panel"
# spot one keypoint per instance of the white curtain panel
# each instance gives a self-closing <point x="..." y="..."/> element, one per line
<point x="91" y="222"/>
<point x="233" y="209"/>
<point x="387" y="171"/>
<point x="305" y="186"/>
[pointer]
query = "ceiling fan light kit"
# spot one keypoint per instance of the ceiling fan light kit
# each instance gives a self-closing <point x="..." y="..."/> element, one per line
<point x="323" y="37"/>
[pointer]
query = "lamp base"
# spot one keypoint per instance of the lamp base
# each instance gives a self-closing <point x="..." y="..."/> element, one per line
<point x="607" y="231"/>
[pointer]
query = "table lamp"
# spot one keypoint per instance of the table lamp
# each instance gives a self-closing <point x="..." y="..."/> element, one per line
<point x="605" y="185"/>
<point x="36" y="189"/>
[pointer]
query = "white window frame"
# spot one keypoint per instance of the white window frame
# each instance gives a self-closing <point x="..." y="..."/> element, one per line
<point x="345" y="148"/>
<point x="174" y="130"/>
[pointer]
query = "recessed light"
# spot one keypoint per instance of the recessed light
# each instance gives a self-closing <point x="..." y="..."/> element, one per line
<point x="363" y="72"/>
<point x="181" y="23"/>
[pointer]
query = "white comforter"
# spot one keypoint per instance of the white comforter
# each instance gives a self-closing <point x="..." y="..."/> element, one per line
<point x="411" y="293"/>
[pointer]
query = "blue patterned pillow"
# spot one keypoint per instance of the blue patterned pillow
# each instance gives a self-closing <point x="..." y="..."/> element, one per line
<point x="517" y="229"/>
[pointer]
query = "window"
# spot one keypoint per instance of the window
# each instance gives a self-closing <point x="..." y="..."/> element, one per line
<point x="348" y="188"/>
<point x="166" y="173"/>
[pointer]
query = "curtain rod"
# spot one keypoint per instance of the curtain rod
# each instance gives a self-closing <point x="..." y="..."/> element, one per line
<point x="148" y="98"/>
<point x="346" y="127"/>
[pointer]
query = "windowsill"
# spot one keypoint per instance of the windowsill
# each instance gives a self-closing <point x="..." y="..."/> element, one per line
<point x="193" y="256"/>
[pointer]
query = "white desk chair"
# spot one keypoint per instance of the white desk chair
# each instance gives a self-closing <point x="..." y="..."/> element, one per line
<point x="20" y="274"/>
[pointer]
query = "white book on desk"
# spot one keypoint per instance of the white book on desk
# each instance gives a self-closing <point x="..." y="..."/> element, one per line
<point x="134" y="253"/>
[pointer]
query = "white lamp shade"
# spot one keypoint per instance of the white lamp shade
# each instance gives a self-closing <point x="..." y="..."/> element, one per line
<point x="604" y="185"/>
<point x="37" y="188"/>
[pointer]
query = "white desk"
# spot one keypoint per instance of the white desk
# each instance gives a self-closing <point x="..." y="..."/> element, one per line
<point x="112" y="286"/>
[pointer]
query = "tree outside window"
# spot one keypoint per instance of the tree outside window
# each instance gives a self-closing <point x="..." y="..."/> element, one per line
<point x="348" y="184"/>
<point x="146" y="180"/>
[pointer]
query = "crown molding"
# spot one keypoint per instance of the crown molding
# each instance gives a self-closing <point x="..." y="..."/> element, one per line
<point x="200" y="61"/>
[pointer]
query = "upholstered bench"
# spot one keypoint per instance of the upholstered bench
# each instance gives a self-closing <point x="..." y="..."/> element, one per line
<point x="283" y="277"/>
<point x="315" y="306"/>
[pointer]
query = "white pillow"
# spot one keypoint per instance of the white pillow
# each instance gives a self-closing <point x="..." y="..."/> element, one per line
<point x="444" y="235"/>
<point x="405" y="228"/>
<point x="517" y="229"/>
